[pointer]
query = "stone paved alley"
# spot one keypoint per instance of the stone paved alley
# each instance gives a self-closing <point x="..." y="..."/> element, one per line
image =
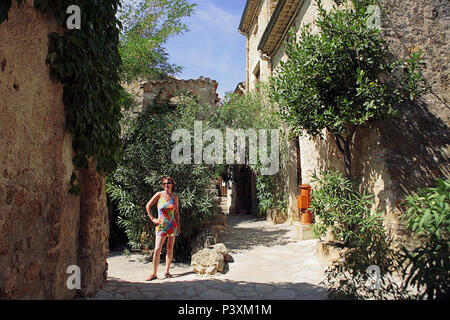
<point x="268" y="264"/>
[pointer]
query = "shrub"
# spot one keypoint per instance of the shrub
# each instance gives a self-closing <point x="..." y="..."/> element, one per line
<point x="350" y="276"/>
<point x="254" y="111"/>
<point x="346" y="214"/>
<point x="147" y="158"/>
<point x="427" y="266"/>
<point x="343" y="211"/>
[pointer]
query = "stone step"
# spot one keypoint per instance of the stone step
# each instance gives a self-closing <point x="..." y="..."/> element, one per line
<point x="217" y="200"/>
<point x="213" y="191"/>
<point x="220" y="219"/>
<point x="212" y="184"/>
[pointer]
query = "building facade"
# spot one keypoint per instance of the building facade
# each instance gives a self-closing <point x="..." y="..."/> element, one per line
<point x="391" y="158"/>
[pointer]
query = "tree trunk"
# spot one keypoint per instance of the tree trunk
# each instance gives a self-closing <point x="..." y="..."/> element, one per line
<point x="344" y="147"/>
<point x="347" y="160"/>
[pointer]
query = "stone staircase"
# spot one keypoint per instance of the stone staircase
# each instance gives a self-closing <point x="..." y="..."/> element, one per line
<point x="220" y="201"/>
<point x="224" y="205"/>
<point x="220" y="218"/>
<point x="210" y="233"/>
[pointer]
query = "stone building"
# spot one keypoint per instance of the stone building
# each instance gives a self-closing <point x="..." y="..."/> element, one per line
<point x="43" y="228"/>
<point x="391" y="158"/>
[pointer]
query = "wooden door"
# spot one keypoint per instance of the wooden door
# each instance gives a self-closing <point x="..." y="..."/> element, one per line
<point x="222" y="187"/>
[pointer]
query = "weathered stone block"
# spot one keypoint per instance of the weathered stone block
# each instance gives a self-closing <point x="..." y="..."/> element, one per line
<point x="210" y="260"/>
<point x="33" y="270"/>
<point x="3" y="249"/>
<point x="19" y="198"/>
<point x="221" y="248"/>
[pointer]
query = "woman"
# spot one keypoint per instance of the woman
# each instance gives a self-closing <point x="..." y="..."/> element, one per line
<point x="167" y="224"/>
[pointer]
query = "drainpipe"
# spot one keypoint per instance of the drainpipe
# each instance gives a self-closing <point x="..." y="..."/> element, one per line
<point x="247" y="84"/>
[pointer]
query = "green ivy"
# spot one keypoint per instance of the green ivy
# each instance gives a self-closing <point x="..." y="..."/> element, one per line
<point x="86" y="62"/>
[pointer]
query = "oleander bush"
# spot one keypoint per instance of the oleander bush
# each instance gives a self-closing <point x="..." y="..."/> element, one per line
<point x="345" y="214"/>
<point x="147" y="159"/>
<point x="255" y="111"/>
<point x="343" y="211"/>
<point x="427" y="266"/>
<point x="405" y="272"/>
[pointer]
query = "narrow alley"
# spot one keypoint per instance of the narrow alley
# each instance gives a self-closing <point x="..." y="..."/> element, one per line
<point x="268" y="263"/>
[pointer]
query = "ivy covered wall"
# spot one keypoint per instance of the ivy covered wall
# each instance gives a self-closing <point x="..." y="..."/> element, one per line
<point x="59" y="128"/>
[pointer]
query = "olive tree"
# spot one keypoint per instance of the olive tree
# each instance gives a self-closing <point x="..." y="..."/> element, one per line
<point x="341" y="78"/>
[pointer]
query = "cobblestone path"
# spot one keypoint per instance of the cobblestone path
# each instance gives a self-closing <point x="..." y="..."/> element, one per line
<point x="268" y="264"/>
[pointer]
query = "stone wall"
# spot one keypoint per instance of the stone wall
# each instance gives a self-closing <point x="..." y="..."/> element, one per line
<point x="94" y="231"/>
<point x="43" y="229"/>
<point x="393" y="158"/>
<point x="415" y="147"/>
<point x="254" y="59"/>
<point x="203" y="88"/>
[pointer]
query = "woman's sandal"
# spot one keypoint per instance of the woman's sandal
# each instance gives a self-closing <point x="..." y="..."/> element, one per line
<point x="151" y="277"/>
<point x="168" y="275"/>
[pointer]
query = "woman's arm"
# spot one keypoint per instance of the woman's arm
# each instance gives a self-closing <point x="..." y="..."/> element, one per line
<point x="177" y="214"/>
<point x="149" y="205"/>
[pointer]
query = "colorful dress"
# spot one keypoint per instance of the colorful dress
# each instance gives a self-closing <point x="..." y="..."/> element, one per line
<point x="166" y="213"/>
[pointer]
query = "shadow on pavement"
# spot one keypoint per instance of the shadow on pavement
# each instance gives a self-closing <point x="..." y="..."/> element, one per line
<point x="208" y="289"/>
<point x="244" y="232"/>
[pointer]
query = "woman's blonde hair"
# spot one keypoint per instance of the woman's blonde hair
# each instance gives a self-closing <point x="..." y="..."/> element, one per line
<point x="170" y="180"/>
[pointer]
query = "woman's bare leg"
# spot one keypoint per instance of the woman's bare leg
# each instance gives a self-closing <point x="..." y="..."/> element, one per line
<point x="159" y="241"/>
<point x="169" y="253"/>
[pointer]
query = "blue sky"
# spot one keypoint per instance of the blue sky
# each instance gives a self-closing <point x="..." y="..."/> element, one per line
<point x="213" y="47"/>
